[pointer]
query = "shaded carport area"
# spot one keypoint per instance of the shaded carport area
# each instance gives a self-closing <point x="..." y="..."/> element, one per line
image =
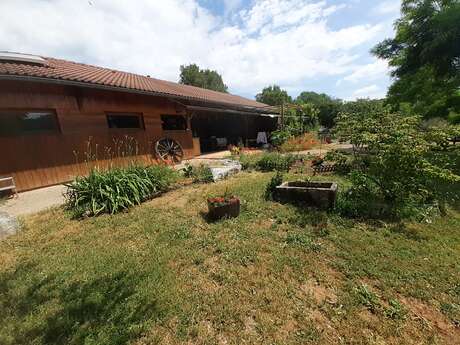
<point x="217" y="128"/>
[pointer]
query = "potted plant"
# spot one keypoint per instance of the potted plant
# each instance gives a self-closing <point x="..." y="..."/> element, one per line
<point x="227" y="206"/>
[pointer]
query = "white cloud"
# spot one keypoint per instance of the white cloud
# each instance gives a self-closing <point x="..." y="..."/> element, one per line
<point x="388" y="7"/>
<point x="274" y="41"/>
<point x="371" y="91"/>
<point x="373" y="71"/>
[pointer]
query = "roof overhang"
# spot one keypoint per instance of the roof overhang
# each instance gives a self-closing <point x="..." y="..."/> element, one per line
<point x="227" y="111"/>
<point x="219" y="106"/>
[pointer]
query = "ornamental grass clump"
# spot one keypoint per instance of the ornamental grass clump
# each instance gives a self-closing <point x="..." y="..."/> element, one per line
<point x="117" y="189"/>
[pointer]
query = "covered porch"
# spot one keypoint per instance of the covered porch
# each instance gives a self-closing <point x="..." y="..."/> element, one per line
<point x="216" y="129"/>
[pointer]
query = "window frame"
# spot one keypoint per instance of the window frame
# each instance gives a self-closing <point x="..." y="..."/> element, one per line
<point x="16" y="111"/>
<point x="140" y="116"/>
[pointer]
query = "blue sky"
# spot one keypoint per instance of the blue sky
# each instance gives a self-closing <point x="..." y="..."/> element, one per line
<point x="310" y="45"/>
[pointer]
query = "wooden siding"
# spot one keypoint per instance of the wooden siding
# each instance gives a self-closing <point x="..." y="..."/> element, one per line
<point x="38" y="160"/>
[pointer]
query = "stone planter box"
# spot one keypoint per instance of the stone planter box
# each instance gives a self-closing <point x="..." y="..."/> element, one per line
<point x="227" y="210"/>
<point x="316" y="194"/>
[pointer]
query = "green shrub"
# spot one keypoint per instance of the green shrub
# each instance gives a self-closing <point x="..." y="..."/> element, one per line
<point x="271" y="161"/>
<point x="275" y="162"/>
<point x="249" y="161"/>
<point x="395" y="170"/>
<point x="270" y="189"/>
<point x="202" y="174"/>
<point x="279" y="137"/>
<point x="116" y="189"/>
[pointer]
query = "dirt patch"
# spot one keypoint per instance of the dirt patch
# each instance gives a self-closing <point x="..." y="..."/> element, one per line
<point x="319" y="293"/>
<point x="250" y="326"/>
<point x="432" y="318"/>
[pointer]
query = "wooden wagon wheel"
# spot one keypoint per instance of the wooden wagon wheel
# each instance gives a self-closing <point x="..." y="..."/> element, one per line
<point x="169" y="150"/>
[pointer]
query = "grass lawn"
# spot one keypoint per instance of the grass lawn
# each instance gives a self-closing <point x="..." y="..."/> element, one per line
<point x="160" y="274"/>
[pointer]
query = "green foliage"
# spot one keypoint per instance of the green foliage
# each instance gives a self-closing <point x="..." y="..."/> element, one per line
<point x="300" y="118"/>
<point x="302" y="240"/>
<point x="425" y="55"/>
<point x="270" y="161"/>
<point x="202" y="174"/>
<point x="328" y="107"/>
<point x="396" y="170"/>
<point x="275" y="162"/>
<point x="273" y="95"/>
<point x="188" y="170"/>
<point x="205" y="78"/>
<point x="367" y="297"/>
<point x="341" y="160"/>
<point x="270" y="189"/>
<point x="396" y="311"/>
<point x="280" y="136"/>
<point x="248" y="161"/>
<point x="116" y="189"/>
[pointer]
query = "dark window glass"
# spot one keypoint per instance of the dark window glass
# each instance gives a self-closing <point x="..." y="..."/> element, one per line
<point x="124" y="120"/>
<point x="173" y="123"/>
<point x="24" y="122"/>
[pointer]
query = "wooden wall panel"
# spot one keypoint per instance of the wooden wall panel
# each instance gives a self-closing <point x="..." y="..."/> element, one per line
<point x="45" y="159"/>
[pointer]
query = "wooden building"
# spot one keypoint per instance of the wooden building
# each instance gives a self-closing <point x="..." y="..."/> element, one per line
<point x="57" y="115"/>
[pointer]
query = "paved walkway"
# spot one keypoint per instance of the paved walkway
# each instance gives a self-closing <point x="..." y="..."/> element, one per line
<point x="33" y="201"/>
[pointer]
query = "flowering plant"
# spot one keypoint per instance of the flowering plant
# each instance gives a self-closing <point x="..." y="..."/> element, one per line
<point x="222" y="201"/>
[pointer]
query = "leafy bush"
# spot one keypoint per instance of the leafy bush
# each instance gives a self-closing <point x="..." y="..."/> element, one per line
<point x="270" y="189"/>
<point x="202" y="174"/>
<point x="117" y="189"/>
<point x="279" y="137"/>
<point x="187" y="171"/>
<point x="362" y="199"/>
<point x="275" y="162"/>
<point x="272" y="161"/>
<point x="249" y="161"/>
<point x="397" y="173"/>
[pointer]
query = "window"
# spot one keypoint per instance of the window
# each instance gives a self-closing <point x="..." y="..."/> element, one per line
<point x="17" y="122"/>
<point x="125" y="120"/>
<point x="173" y="123"/>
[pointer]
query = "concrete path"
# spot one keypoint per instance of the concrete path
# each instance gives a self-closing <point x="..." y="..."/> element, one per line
<point x="33" y="201"/>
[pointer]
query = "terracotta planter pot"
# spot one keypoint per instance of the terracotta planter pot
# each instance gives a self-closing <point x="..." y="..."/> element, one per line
<point x="227" y="210"/>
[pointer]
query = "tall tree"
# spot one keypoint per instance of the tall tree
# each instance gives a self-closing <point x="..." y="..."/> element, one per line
<point x="205" y="78"/>
<point x="273" y="95"/>
<point x="425" y="55"/>
<point x="328" y="107"/>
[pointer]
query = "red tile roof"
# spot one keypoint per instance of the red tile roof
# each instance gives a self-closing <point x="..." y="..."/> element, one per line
<point x="68" y="71"/>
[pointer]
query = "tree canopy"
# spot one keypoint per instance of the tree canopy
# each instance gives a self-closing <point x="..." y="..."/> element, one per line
<point x="425" y="55"/>
<point x="273" y="95"/>
<point x="328" y="107"/>
<point x="205" y="78"/>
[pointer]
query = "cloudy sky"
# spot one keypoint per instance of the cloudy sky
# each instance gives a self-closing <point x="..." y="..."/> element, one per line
<point x="314" y="45"/>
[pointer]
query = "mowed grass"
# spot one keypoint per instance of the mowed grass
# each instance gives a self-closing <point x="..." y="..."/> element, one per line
<point x="278" y="274"/>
